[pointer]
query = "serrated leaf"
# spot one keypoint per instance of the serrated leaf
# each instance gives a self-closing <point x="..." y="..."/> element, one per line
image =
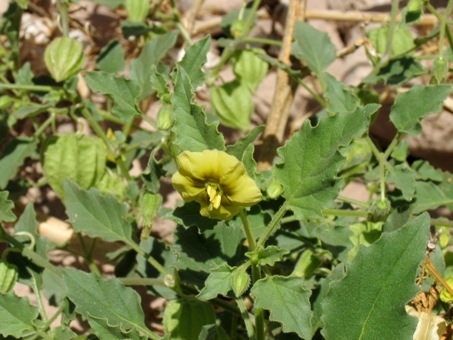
<point x="429" y="196"/>
<point x="380" y="280"/>
<point x="237" y="149"/>
<point x="311" y="161"/>
<point x="313" y="47"/>
<point x="103" y="330"/>
<point x="184" y="320"/>
<point x="192" y="132"/>
<point x="16" y="315"/>
<point x="6" y="208"/>
<point x="287" y="301"/>
<point x="217" y="283"/>
<point x="420" y="101"/>
<point x="341" y="98"/>
<point x="404" y="179"/>
<point x="397" y="72"/>
<point x="96" y="215"/>
<point x="105" y="299"/>
<point x="194" y="59"/>
<point x="27" y="223"/>
<point x="426" y="171"/>
<point x="13" y="156"/>
<point x="80" y="159"/>
<point x="124" y="93"/>
<point x="143" y="68"/>
<point x="267" y="256"/>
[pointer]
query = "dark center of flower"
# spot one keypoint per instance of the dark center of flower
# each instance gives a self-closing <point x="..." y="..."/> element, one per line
<point x="215" y="195"/>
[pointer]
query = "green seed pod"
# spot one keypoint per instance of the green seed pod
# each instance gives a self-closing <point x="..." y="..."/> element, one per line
<point x="379" y="211"/>
<point x="240" y="281"/>
<point x="8" y="277"/>
<point x="137" y="10"/>
<point x="63" y="58"/>
<point x="164" y="118"/>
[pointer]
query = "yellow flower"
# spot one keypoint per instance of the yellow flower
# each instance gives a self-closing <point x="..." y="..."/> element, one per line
<point x="216" y="180"/>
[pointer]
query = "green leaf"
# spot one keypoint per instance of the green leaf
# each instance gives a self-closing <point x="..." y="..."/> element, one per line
<point x="192" y="132"/>
<point x="426" y="171"/>
<point x="404" y="179"/>
<point x="267" y="256"/>
<point x="27" y="222"/>
<point x="287" y="301"/>
<point x="341" y="98"/>
<point x="124" y="93"/>
<point x="415" y="104"/>
<point x="103" y="330"/>
<point x="6" y="208"/>
<point x="311" y="161"/>
<point x="96" y="215"/>
<point x="143" y="68"/>
<point x="218" y="282"/>
<point x="193" y="61"/>
<point x="238" y="149"/>
<point x="104" y="299"/>
<point x="313" y="47"/>
<point x="233" y="103"/>
<point x="429" y="196"/>
<point x="13" y="156"/>
<point x="78" y="158"/>
<point x="111" y="58"/>
<point x="402" y="39"/>
<point x="184" y="319"/>
<point x="397" y="72"/>
<point x="370" y="301"/>
<point x="17" y="315"/>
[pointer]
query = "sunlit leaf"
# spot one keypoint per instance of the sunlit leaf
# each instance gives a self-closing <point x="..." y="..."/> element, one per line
<point x="371" y="298"/>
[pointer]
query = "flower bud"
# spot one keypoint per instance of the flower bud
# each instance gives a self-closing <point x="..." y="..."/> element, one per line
<point x="379" y="211"/>
<point x="63" y="58"/>
<point x="274" y="189"/>
<point x="414" y="6"/>
<point x="8" y="276"/>
<point x="445" y="295"/>
<point x="240" y="281"/>
<point x="238" y="28"/>
<point x="164" y="118"/>
<point x="440" y="70"/>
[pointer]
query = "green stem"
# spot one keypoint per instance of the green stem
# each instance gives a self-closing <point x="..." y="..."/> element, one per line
<point x="342" y="212"/>
<point x="353" y="201"/>
<point x="315" y="96"/>
<point x="148" y="258"/>
<point x="88" y="255"/>
<point x="252" y="40"/>
<point x="110" y="149"/>
<point x="141" y="281"/>
<point x="273" y="224"/>
<point x="41" y="308"/>
<point x="246" y="317"/>
<point x="35" y="88"/>
<point x="251" y="16"/>
<point x="391" y="32"/>
<point x="53" y="317"/>
<point x="44" y="125"/>
<point x="63" y="9"/>
<point x="34" y="257"/>
<point x="248" y="231"/>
